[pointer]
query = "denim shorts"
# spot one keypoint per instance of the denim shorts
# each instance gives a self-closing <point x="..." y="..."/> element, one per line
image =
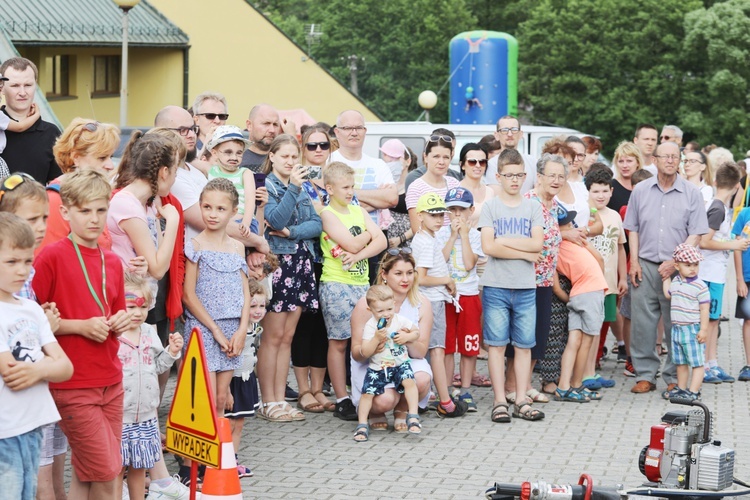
<point x="19" y="465"/>
<point x="376" y="380"/>
<point x="509" y="317"/>
<point x="685" y="347"/>
<point x="337" y="301"/>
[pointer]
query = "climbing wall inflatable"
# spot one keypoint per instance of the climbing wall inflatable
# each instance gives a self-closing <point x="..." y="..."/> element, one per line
<point x="484" y="77"/>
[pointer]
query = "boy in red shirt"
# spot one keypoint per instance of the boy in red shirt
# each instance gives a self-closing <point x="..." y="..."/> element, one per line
<point x="87" y="284"/>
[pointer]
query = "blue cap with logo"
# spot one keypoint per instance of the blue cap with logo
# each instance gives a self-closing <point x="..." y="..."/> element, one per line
<point x="459" y="197"/>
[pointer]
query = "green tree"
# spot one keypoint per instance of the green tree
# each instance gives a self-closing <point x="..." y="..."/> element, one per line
<point x="717" y="48"/>
<point x="603" y="66"/>
<point x="500" y="15"/>
<point x="402" y="46"/>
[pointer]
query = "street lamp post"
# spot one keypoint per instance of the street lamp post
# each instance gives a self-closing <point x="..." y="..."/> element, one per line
<point x="427" y="100"/>
<point x="125" y="6"/>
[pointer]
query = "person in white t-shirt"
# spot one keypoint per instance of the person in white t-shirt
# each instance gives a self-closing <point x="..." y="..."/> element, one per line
<point x="29" y="358"/>
<point x="373" y="181"/>
<point x="645" y="138"/>
<point x="717" y="245"/>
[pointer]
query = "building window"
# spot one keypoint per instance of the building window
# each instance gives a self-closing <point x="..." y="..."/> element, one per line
<point x="59" y="72"/>
<point x="106" y="74"/>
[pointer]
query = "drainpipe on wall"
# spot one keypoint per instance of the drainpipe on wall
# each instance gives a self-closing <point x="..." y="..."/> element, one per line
<point x="185" y="76"/>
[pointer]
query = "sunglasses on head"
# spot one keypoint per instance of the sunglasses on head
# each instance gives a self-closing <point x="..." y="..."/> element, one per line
<point x="312" y="146"/>
<point x="88" y="127"/>
<point x="12" y="182"/>
<point x="212" y="116"/>
<point x="438" y="137"/>
<point x="396" y="251"/>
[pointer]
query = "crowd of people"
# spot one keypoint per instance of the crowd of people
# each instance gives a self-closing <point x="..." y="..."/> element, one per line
<point x="367" y="275"/>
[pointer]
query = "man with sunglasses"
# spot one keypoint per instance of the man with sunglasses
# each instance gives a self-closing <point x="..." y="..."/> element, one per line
<point x="671" y="133"/>
<point x="29" y="151"/>
<point x="438" y="134"/>
<point x="509" y="134"/>
<point x="263" y="125"/>
<point x="209" y="112"/>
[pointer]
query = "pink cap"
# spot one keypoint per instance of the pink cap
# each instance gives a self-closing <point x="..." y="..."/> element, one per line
<point x="393" y="148"/>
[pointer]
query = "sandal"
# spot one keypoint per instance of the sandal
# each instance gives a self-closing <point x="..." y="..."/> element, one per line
<point x="549" y="388"/>
<point x="500" y="413"/>
<point x="273" y="412"/>
<point x="413" y="422"/>
<point x="362" y="433"/>
<point x="528" y="413"/>
<point x="457" y="380"/>
<point x="536" y="396"/>
<point x="591" y="395"/>
<point x="328" y="405"/>
<point x="570" y="396"/>
<point x="379" y="423"/>
<point x="315" y="407"/>
<point x="511" y="398"/>
<point x="294" y="413"/>
<point x="399" y="423"/>
<point x="480" y="381"/>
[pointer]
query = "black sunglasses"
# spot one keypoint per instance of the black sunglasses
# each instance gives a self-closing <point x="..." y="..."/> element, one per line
<point x="312" y="146"/>
<point x="212" y="116"/>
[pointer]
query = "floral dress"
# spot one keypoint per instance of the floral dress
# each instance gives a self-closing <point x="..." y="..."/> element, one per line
<point x="294" y="283"/>
<point x="220" y="290"/>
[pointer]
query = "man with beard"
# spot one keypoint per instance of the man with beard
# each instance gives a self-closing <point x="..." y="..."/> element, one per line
<point x="190" y="180"/>
<point x="263" y="125"/>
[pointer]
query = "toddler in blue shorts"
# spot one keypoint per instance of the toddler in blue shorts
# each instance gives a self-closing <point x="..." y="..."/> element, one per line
<point x="690" y="314"/>
<point x="383" y="342"/>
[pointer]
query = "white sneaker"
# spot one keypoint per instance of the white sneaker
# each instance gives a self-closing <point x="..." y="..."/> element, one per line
<point x="125" y="491"/>
<point x="176" y="491"/>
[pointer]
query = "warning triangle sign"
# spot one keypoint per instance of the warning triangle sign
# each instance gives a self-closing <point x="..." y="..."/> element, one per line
<point x="193" y="409"/>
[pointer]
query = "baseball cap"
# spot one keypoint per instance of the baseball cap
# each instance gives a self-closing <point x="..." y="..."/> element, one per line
<point x="459" y="197"/>
<point x="431" y="203"/>
<point x="226" y="133"/>
<point x="565" y="216"/>
<point x="393" y="148"/>
<point x="687" y="253"/>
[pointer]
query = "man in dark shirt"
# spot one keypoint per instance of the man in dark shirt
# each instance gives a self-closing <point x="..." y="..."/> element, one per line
<point x="263" y="125"/>
<point x="29" y="151"/>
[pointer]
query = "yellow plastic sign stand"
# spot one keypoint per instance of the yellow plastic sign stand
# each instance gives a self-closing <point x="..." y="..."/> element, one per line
<point x="192" y="429"/>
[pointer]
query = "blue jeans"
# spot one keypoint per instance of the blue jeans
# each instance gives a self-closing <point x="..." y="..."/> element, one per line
<point x="19" y="465"/>
<point x="509" y="317"/>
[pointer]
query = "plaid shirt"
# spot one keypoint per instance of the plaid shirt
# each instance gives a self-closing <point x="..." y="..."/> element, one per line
<point x="26" y="291"/>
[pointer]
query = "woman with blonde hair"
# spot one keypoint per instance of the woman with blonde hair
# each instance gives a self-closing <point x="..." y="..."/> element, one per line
<point x="627" y="160"/>
<point x="85" y="144"/>
<point x="699" y="172"/>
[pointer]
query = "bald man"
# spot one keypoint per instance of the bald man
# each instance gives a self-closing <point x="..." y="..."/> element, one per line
<point x="190" y="180"/>
<point x="263" y="125"/>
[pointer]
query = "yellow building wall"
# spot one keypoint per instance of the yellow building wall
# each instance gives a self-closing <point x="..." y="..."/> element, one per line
<point x="155" y="78"/>
<point x="238" y="52"/>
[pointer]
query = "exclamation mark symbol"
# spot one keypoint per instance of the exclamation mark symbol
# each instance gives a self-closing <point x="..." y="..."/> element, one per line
<point x="193" y="367"/>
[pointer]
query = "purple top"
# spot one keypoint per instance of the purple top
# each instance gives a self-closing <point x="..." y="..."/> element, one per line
<point x="664" y="219"/>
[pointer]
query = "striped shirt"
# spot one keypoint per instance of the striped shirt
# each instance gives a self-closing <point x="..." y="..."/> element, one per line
<point x="687" y="296"/>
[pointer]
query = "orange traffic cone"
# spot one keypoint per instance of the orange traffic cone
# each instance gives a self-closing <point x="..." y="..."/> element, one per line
<point x="223" y="483"/>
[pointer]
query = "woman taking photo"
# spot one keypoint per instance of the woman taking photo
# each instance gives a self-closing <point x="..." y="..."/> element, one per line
<point x="293" y="226"/>
<point x="398" y="272"/>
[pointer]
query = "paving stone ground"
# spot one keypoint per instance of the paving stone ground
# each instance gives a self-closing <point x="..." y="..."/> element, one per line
<point x="461" y="458"/>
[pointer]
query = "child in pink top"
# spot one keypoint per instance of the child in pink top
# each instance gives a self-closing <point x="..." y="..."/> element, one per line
<point x="585" y="268"/>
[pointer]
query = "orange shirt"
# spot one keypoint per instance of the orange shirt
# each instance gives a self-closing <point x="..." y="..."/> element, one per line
<point x="581" y="268"/>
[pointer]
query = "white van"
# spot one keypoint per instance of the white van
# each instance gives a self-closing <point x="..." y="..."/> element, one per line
<point x="415" y="135"/>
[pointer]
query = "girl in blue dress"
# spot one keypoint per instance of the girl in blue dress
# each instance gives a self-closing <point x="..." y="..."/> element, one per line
<point x="217" y="297"/>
